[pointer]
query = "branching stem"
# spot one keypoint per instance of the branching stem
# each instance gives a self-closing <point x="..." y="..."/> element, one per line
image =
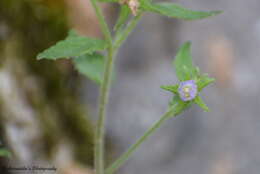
<point x="103" y="100"/>
<point x="104" y="27"/>
<point x="104" y="92"/>
<point x="106" y="83"/>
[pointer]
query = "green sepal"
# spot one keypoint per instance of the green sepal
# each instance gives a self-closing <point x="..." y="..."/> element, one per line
<point x="175" y="99"/>
<point x="198" y="100"/>
<point x="180" y="105"/>
<point x="172" y="88"/>
<point x="203" y="81"/>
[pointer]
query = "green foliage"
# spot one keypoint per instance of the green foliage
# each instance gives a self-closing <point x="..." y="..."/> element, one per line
<point x="183" y="63"/>
<point x="185" y="70"/>
<point x="198" y="100"/>
<point x="91" y="65"/>
<point x="203" y="81"/>
<point x="175" y="100"/>
<point x="83" y="51"/>
<point x="180" y="105"/>
<point x="169" y="9"/>
<point x="123" y="16"/>
<point x="173" y="89"/>
<point x="5" y="153"/>
<point x="73" y="46"/>
<point x="176" y="11"/>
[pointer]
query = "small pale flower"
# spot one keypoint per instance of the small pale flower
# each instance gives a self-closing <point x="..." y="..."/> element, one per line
<point x="132" y="4"/>
<point x="188" y="90"/>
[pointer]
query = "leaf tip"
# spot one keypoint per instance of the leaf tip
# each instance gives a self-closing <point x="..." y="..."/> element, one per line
<point x="205" y="109"/>
<point x="39" y="56"/>
<point x="217" y="12"/>
<point x="187" y="45"/>
<point x="163" y="87"/>
<point x="212" y="13"/>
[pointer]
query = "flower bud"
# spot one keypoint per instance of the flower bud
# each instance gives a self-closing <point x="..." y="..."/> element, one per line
<point x="132" y="4"/>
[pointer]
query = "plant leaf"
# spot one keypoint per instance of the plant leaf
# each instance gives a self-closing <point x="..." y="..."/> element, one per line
<point x="173" y="88"/>
<point x="91" y="65"/>
<point x="204" y="81"/>
<point x="123" y="16"/>
<point x="176" y="11"/>
<point x="183" y="63"/>
<point x="5" y="153"/>
<point x="72" y="33"/>
<point x="73" y="46"/>
<point x="198" y="100"/>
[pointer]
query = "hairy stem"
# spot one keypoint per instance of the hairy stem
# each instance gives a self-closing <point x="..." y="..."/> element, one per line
<point x="121" y="37"/>
<point x="105" y="87"/>
<point x="102" y="22"/>
<point x="103" y="100"/>
<point x="104" y="92"/>
<point x="173" y="110"/>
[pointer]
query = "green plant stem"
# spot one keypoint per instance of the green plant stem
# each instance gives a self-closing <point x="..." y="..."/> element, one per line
<point x="173" y="110"/>
<point x="104" y="92"/>
<point x="105" y="87"/>
<point x="102" y="22"/>
<point x="103" y="100"/>
<point x="121" y="37"/>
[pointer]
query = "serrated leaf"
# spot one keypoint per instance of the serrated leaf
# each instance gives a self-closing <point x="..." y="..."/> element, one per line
<point x="5" y="153"/>
<point x="91" y="65"/>
<point x="73" y="46"/>
<point x="123" y="16"/>
<point x="172" y="88"/>
<point x="198" y="100"/>
<point x="183" y="63"/>
<point x="177" y="11"/>
<point x="204" y="81"/>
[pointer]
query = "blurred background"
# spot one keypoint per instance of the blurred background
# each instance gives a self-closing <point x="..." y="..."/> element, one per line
<point x="47" y="110"/>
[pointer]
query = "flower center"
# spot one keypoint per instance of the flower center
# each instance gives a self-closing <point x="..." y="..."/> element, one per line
<point x="186" y="91"/>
